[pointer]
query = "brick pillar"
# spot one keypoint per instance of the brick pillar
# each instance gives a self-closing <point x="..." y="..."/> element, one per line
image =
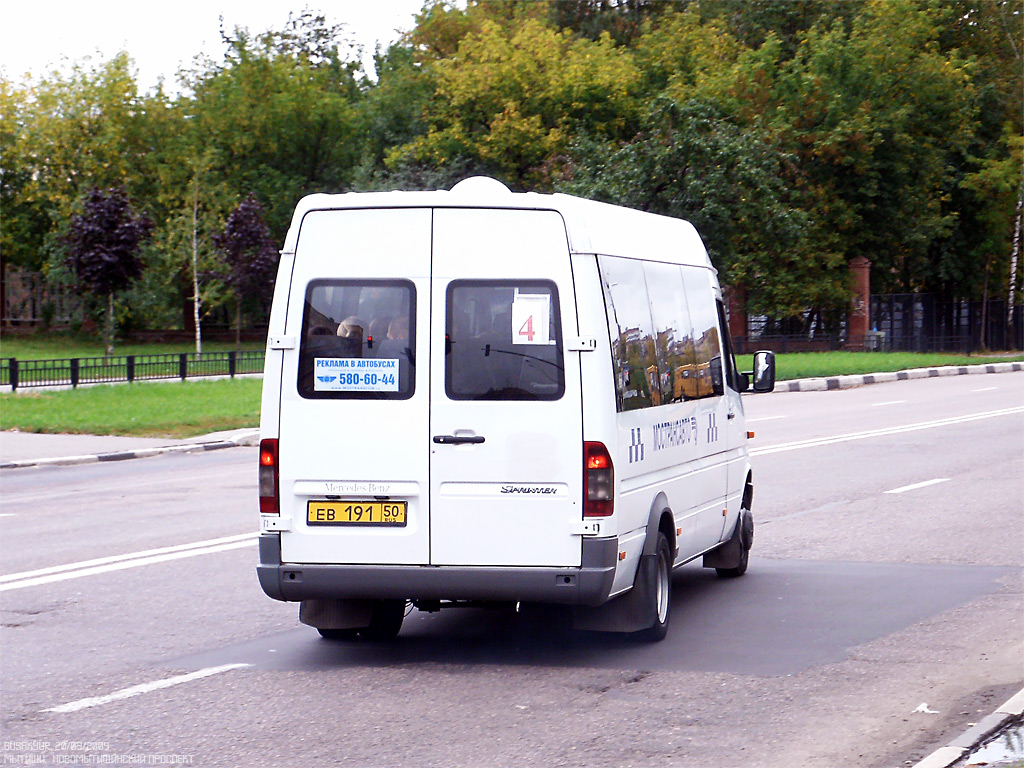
<point x="860" y="308"/>
<point x="736" y="301"/>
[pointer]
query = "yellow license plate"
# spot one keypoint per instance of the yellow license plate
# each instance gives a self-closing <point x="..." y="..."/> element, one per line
<point x="356" y="513"/>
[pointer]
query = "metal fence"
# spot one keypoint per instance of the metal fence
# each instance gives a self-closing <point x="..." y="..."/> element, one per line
<point x="17" y="373"/>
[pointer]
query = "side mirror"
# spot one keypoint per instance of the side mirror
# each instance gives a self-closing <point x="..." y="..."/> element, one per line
<point x="764" y="371"/>
<point x="717" y="379"/>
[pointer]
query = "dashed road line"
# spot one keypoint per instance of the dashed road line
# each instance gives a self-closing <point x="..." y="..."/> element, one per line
<point x="138" y="690"/>
<point x="915" y="486"/>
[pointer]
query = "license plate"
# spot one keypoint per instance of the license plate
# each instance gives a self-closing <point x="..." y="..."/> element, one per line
<point x="384" y="513"/>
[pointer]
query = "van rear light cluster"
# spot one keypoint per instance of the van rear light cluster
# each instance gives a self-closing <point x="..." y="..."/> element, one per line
<point x="598" y="480"/>
<point x="268" y="478"/>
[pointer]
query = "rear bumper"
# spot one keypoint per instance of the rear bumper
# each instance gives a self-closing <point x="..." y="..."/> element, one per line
<point x="590" y="584"/>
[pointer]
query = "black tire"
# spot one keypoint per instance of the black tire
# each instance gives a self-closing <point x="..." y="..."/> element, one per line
<point x="338" y="634"/>
<point x="385" y="620"/>
<point x="660" y="593"/>
<point x="745" y="541"/>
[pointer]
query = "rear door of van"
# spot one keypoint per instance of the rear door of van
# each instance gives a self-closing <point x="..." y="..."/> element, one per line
<point x="429" y="413"/>
<point x="355" y="393"/>
<point x="506" y="447"/>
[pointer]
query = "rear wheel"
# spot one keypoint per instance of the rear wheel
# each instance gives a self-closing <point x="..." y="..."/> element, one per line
<point x="660" y="593"/>
<point x="386" y="620"/>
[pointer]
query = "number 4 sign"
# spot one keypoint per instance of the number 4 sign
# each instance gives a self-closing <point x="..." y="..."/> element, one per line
<point x="531" y="316"/>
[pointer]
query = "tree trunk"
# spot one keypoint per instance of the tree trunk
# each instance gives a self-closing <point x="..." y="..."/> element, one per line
<point x="1014" y="253"/>
<point x="108" y="327"/>
<point x="195" y="268"/>
<point x="238" y="325"/>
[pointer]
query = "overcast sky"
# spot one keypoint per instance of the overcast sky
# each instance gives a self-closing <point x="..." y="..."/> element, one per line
<point x="37" y="36"/>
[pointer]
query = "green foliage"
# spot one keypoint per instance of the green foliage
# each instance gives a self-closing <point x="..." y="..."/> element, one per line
<point x="795" y="135"/>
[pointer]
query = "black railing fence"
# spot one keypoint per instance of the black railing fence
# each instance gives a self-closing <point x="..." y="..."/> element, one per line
<point x="898" y="323"/>
<point x="19" y="374"/>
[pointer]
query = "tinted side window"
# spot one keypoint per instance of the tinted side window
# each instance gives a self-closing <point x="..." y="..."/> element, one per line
<point x="631" y="331"/>
<point x="358" y="340"/>
<point x="503" y="341"/>
<point x="707" y="345"/>
<point x="673" y="332"/>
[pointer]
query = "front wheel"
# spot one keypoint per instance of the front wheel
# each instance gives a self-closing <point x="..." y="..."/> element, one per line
<point x="660" y="593"/>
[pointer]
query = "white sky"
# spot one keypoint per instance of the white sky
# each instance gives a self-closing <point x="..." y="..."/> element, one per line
<point x="37" y="36"/>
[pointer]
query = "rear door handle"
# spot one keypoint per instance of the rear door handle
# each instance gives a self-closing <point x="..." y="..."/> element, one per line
<point x="458" y="439"/>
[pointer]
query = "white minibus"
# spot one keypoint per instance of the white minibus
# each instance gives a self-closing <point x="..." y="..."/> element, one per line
<point x="483" y="397"/>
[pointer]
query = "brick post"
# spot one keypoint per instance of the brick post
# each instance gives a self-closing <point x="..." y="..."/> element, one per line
<point x="860" y="308"/>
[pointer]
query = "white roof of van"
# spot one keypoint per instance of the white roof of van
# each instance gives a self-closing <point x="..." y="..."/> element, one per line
<point x="592" y="227"/>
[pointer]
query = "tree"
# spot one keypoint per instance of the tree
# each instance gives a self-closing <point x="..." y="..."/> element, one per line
<point x="693" y="162"/>
<point x="515" y="94"/>
<point x="102" y="245"/>
<point x="250" y="257"/>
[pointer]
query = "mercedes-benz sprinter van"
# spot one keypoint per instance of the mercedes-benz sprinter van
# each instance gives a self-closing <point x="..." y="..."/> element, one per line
<point x="479" y="396"/>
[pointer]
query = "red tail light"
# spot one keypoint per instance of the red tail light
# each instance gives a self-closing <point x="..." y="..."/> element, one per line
<point x="268" y="478"/>
<point x="598" y="481"/>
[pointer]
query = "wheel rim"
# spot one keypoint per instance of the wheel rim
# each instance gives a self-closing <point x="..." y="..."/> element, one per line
<point x="662" y="589"/>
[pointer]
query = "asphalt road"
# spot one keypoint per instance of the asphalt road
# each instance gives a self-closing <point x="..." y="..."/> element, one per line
<point x="886" y="574"/>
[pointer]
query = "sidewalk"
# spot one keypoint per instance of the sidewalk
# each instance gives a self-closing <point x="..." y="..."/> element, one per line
<point x="28" y="449"/>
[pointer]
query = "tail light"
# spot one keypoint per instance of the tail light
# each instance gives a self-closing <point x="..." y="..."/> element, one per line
<point x="268" y="477"/>
<point x="598" y="481"/>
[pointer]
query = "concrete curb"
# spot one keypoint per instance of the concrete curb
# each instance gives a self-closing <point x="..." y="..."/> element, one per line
<point x="960" y="747"/>
<point x="847" y="382"/>
<point x="248" y="437"/>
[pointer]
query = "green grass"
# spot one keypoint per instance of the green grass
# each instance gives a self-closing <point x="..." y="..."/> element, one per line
<point x="57" y="346"/>
<point x="805" y="365"/>
<point x="164" y="409"/>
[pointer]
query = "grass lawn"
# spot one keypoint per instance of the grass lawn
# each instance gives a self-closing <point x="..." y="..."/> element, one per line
<point x="806" y="365"/>
<point x="146" y="409"/>
<point x="57" y="346"/>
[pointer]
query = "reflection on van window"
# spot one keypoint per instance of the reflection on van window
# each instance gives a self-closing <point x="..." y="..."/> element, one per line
<point x="631" y="330"/>
<point x="503" y="341"/>
<point x="357" y="340"/>
<point x="673" y="332"/>
<point x="706" y="338"/>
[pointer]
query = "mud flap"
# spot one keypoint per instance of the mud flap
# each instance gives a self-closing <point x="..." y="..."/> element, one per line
<point x="631" y="612"/>
<point x="728" y="555"/>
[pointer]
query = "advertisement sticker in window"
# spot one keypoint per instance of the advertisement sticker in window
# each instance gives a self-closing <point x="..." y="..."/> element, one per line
<point x="341" y="374"/>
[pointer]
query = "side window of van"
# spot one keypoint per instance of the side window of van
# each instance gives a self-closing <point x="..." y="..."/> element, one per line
<point x="358" y="340"/>
<point x="631" y="330"/>
<point x="707" y="344"/>
<point x="503" y="341"/>
<point x="673" y="332"/>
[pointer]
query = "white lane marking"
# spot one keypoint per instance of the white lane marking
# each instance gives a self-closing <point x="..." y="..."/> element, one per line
<point x="136" y="690"/>
<point x="6" y="514"/>
<point x="890" y="402"/>
<point x="984" y="389"/>
<point x="819" y="441"/>
<point x="766" y="418"/>
<point x="121" y="562"/>
<point x="915" y="486"/>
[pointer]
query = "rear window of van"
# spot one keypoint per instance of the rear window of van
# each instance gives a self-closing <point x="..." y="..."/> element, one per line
<point x="358" y="340"/>
<point x="503" y="341"/>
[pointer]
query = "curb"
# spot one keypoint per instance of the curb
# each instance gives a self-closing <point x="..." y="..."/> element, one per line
<point x="848" y="382"/>
<point x="960" y="747"/>
<point x="249" y="437"/>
